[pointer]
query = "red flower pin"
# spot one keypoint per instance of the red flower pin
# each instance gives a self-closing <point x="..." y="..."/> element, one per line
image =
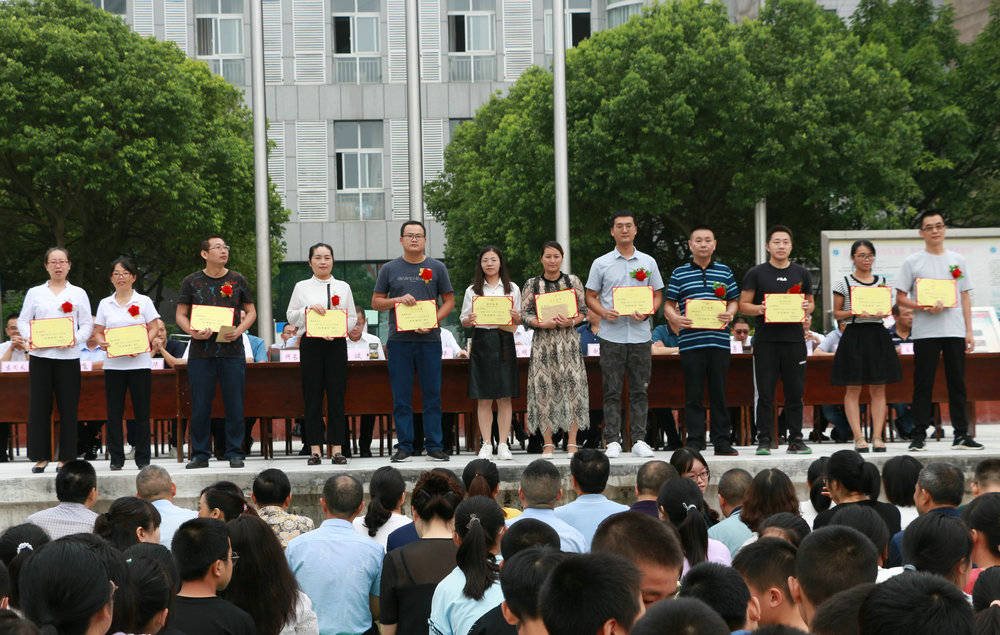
<point x="795" y="288"/>
<point x="956" y="273"/>
<point x="640" y="274"/>
<point x="719" y="289"/>
<point x="227" y="290"/>
<point x="335" y="300"/>
<point x="133" y="310"/>
<point x="67" y="307"/>
<point x="426" y="274"/>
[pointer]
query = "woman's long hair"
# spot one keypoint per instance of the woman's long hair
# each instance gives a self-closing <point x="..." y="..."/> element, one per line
<point x="63" y="585"/>
<point x="228" y="498"/>
<point x="770" y="492"/>
<point x="680" y="501"/>
<point x="386" y="488"/>
<point x="479" y="277"/>
<point x="478" y="523"/>
<point x="118" y="525"/>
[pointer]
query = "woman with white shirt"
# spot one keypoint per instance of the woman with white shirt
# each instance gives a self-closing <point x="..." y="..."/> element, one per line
<point x="126" y="307"/>
<point x="387" y="492"/>
<point x="323" y="359"/>
<point x="493" y="360"/>
<point x="56" y="370"/>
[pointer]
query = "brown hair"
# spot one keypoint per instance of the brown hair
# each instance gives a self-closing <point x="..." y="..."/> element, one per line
<point x="770" y="492"/>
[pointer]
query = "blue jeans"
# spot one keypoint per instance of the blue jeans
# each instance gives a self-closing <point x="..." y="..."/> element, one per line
<point x="404" y="359"/>
<point x="203" y="374"/>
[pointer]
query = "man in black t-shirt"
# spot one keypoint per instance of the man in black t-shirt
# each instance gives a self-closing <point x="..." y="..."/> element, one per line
<point x="779" y="349"/>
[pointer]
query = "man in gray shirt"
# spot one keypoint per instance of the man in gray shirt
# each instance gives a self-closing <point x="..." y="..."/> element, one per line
<point x="76" y="490"/>
<point x="938" y="331"/>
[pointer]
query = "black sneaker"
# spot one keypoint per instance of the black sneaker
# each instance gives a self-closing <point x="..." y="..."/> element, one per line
<point x="725" y="450"/>
<point x="916" y="446"/>
<point x="966" y="443"/>
<point x="439" y="455"/>
<point x="796" y="446"/>
<point x="400" y="455"/>
<point x="196" y="464"/>
<point x="764" y="449"/>
<point x="236" y="462"/>
<point x="116" y="466"/>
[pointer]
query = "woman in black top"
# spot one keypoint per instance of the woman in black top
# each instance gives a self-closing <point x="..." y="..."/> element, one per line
<point x="848" y="484"/>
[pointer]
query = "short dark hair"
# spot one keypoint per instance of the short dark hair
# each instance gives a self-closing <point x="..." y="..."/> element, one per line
<point x="207" y="243"/>
<point x="899" y="476"/>
<point x="793" y="527"/>
<point x="944" y="482"/>
<point x="540" y="482"/>
<point x="197" y="545"/>
<point x="873" y="480"/>
<point x="701" y="227"/>
<point x="522" y="577"/>
<point x="983" y="515"/>
<point x="766" y="563"/>
<point x="917" y="604"/>
<point x="525" y="534"/>
<point x="986" y="589"/>
<point x="734" y="484"/>
<point x="935" y="543"/>
<point x="402" y="228"/>
<point x="623" y="214"/>
<point x="652" y="475"/>
<point x="834" y="558"/>
<point x="720" y="587"/>
<point x="775" y="229"/>
<point x="847" y="467"/>
<point x="586" y="590"/>
<point x="343" y="494"/>
<point x="683" y="615"/>
<point x="271" y="487"/>
<point x="839" y="614"/>
<point x="923" y="216"/>
<point x="867" y="521"/>
<point x="74" y="481"/>
<point x="591" y="469"/>
<point x="779" y="629"/>
<point x="639" y="538"/>
<point x="987" y="473"/>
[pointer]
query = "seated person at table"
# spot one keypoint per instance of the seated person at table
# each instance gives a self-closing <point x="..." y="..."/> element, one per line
<point x="88" y="440"/>
<point x="741" y="333"/>
<point x="362" y="345"/>
<point x="828" y="346"/>
<point x="665" y="342"/>
<point x="15" y="349"/>
<point x="588" y="332"/>
<point x="288" y="339"/>
<point x="900" y="333"/>
<point x="813" y="339"/>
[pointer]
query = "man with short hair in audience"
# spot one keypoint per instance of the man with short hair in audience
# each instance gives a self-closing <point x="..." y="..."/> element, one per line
<point x="916" y="604"/>
<point x="683" y="615"/>
<point x="76" y="491"/>
<point x="940" y="488"/>
<point x="839" y="614"/>
<point x="723" y="589"/>
<point x="339" y="569"/>
<point x="589" y="472"/>
<point x="766" y="566"/>
<point x="651" y="545"/>
<point x="154" y="485"/>
<point x="732" y="532"/>
<point x="648" y="481"/>
<point x="272" y="494"/>
<point x="591" y="594"/>
<point x="829" y="560"/>
<point x="541" y="489"/>
<point x="986" y="478"/>
<point x="205" y="560"/>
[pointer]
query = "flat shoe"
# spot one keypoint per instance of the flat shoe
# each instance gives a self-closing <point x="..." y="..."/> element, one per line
<point x="339" y="459"/>
<point x="314" y="460"/>
<point x="38" y="469"/>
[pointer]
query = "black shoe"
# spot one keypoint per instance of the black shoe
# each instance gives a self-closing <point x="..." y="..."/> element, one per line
<point x="38" y="469"/>
<point x="400" y="456"/>
<point x="366" y="454"/>
<point x="439" y="455"/>
<point x="315" y="459"/>
<point x="698" y="446"/>
<point x="116" y="467"/>
<point x="195" y="464"/>
<point x="725" y="450"/>
<point x="305" y="451"/>
<point x="966" y="443"/>
<point x="796" y="446"/>
<point x="141" y="465"/>
<point x="339" y="459"/>
<point x="917" y="445"/>
<point x="236" y="462"/>
<point x="90" y="455"/>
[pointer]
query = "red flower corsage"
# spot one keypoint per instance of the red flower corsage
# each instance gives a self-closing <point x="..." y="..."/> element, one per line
<point x="335" y="300"/>
<point x="134" y="310"/>
<point x="640" y="274"/>
<point x="67" y="307"/>
<point x="426" y="274"/>
<point x="227" y="290"/>
<point x="719" y="289"/>
<point x="795" y="288"/>
<point x="956" y="272"/>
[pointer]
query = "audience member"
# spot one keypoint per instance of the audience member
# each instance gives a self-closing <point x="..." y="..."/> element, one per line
<point x="985" y="593"/>
<point x="982" y="517"/>
<point x="732" y="531"/>
<point x="681" y="503"/>
<point x="336" y="567"/>
<point x="17" y="544"/>
<point x="848" y="484"/>
<point x="683" y="615"/>
<point x="13" y="624"/>
<point x="652" y="546"/>
<point x="770" y="492"/>
<point x="408" y="533"/>
<point x="839" y="614"/>
<point x="162" y="555"/>
<point x="129" y="520"/>
<point x="779" y="629"/>
<point x="915" y="604"/>
<point x="541" y="489"/>
<point x="387" y="491"/>
<point x="899" y="477"/>
<point x="787" y="526"/>
<point x="76" y="491"/>
<point x="153" y="484"/>
<point x="766" y="566"/>
<point x="223" y="501"/>
<point x="525" y="534"/>
<point x="690" y="464"/>
<point x="648" y="481"/>
<point x="828" y="561"/>
<point x="939" y="544"/>
<point x="589" y="472"/>
<point x="590" y="594"/>
<point x="869" y="523"/>
<point x="144" y="602"/>
<point x="482" y="478"/>
<point x="723" y="589"/>
<point x="987" y="477"/>
<point x="819" y="498"/>
<point x="272" y="494"/>
<point x="873" y="480"/>
<point x="521" y="580"/>
<point x="939" y="490"/>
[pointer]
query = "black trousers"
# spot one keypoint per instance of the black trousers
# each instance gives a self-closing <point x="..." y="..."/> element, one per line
<point x="771" y="361"/>
<point x="925" y="358"/>
<point x="48" y="377"/>
<point x="324" y="369"/>
<point x="700" y="366"/>
<point x="139" y="384"/>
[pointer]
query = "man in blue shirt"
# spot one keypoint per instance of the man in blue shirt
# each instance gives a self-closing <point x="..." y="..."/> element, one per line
<point x="590" y="470"/>
<point x="704" y="352"/>
<point x="539" y="493"/>
<point x="625" y="339"/>
<point x="339" y="569"/>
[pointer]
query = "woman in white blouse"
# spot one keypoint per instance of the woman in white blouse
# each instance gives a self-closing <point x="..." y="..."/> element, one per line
<point x="126" y="307"/>
<point x="54" y="370"/>
<point x="493" y="359"/>
<point x="323" y="359"/>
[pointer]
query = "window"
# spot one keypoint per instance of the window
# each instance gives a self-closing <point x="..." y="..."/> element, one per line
<point x="359" y="170"/>
<point x="111" y="6"/>
<point x="219" y="29"/>
<point x="471" y="45"/>
<point x="618" y="15"/>
<point x="577" y="23"/>
<point x="356" y="41"/>
<point x="453" y="125"/>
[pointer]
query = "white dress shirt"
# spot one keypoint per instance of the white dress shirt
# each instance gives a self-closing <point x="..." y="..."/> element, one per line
<point x="17" y="355"/>
<point x="40" y="303"/>
<point x="316" y="291"/>
<point x="448" y="342"/>
<point x="112" y="315"/>
<point x="171" y="517"/>
<point x="495" y="290"/>
<point x="364" y="346"/>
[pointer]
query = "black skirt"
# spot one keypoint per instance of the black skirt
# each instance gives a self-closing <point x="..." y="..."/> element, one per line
<point x="865" y="357"/>
<point x="493" y="365"/>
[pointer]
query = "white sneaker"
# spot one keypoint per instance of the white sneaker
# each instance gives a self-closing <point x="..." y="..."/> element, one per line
<point x="129" y="452"/>
<point x="486" y="452"/>
<point x="614" y="450"/>
<point x="503" y="452"/>
<point x="642" y="450"/>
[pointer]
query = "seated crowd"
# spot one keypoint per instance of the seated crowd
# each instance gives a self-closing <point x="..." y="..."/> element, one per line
<point x="842" y="562"/>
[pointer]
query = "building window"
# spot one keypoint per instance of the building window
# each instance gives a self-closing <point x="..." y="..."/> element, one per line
<point x="471" y="43"/>
<point x="619" y="13"/>
<point x="577" y="23"/>
<point x="359" y="170"/>
<point x="356" y="41"/>
<point x="111" y="6"/>
<point x="453" y="125"/>
<point x="219" y="29"/>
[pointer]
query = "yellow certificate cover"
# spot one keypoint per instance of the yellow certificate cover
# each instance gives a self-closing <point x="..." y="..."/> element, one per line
<point x="127" y="340"/>
<point x="331" y="324"/>
<point x="704" y="313"/>
<point x="422" y="315"/>
<point x="52" y="333"/>
<point x="493" y="310"/>
<point x="873" y="300"/>
<point x="212" y="317"/>
<point x="555" y="303"/>
<point x="629" y="300"/>
<point x="784" y="307"/>
<point x="930" y="290"/>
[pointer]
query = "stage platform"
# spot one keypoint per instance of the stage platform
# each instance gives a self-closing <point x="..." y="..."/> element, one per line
<point x="22" y="493"/>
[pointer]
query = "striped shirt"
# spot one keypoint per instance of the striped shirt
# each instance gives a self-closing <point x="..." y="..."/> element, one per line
<point x="691" y="282"/>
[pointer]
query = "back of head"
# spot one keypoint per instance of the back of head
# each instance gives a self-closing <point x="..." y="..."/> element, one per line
<point x="523" y="575"/>
<point x="786" y="526"/>
<point x="916" y="604"/>
<point x="118" y="525"/>
<point x="873" y="480"/>
<point x="435" y="496"/>
<point x="162" y="555"/>
<point x="481" y="477"/>
<point x="74" y="481"/>
<point x="839" y="614"/>
<point x="899" y="477"/>
<point x="987" y="589"/>
<point x="640" y="539"/>
<point x="271" y="605"/>
<point x="817" y="470"/>
<point x="832" y="559"/>
<point x="148" y="591"/>
<point x="819" y="498"/>
<point x="867" y="521"/>
<point x="197" y="545"/>
<point x="13" y="624"/>
<point x="720" y="587"/>
<point x="540" y="484"/>
<point x="228" y="498"/>
<point x="478" y="523"/>
<point x="585" y="591"/>
<point x="652" y="475"/>
<point x="683" y="616"/>
<point x="936" y="543"/>
<point x="591" y="469"/>
<point x="680" y="500"/>
<point x="987" y="475"/>
<point x="982" y="515"/>
<point x="63" y="585"/>
<point x="770" y="492"/>
<point x="20" y="537"/>
<point x="386" y="488"/>
<point x="343" y="495"/>
<point x="153" y="482"/>
<point x="944" y="482"/>
<point x="110" y="557"/>
<point x="525" y="534"/>
<point x="767" y="563"/>
<point x="271" y="487"/>
<point x="733" y="486"/>
<point x="847" y="467"/>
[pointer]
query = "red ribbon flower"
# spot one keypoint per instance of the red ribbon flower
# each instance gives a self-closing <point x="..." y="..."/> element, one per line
<point x="227" y="290"/>
<point x="426" y="274"/>
<point x="67" y="307"/>
<point x="719" y="289"/>
<point x="640" y="274"/>
<point x="133" y="310"/>
<point x="956" y="272"/>
<point x="335" y="300"/>
<point x="795" y="288"/>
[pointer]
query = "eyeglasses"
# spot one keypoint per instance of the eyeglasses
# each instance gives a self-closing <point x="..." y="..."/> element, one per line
<point x="704" y="475"/>
<point x="930" y="228"/>
<point x="413" y="236"/>
<point x="865" y="256"/>
<point x="58" y="262"/>
<point x="222" y="247"/>
<point x="120" y="274"/>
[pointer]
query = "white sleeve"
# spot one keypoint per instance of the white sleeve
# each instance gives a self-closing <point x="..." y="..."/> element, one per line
<point x="26" y="315"/>
<point x="296" y="312"/>
<point x="515" y="292"/>
<point x="467" y="303"/>
<point x="86" y="319"/>
<point x="352" y="312"/>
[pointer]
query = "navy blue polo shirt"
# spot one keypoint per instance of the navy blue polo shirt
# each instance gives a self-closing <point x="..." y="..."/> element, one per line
<point x="691" y="282"/>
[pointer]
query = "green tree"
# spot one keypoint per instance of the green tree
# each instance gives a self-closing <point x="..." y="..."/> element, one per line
<point x="114" y="144"/>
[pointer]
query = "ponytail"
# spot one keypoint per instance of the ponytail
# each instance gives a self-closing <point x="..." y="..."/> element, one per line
<point x="479" y="521"/>
<point x="681" y="502"/>
<point x="481" y="478"/>
<point x="987" y="621"/>
<point x="479" y="487"/>
<point x="386" y="488"/>
<point x="693" y="531"/>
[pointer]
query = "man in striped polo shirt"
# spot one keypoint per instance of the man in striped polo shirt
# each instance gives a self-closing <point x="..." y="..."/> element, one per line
<point x="704" y="352"/>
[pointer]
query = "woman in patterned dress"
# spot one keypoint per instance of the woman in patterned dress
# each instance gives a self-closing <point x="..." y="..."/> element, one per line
<point x="557" y="379"/>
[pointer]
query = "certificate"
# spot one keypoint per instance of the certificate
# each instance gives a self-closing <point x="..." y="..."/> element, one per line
<point x="549" y="305"/>
<point x="784" y="307"/>
<point x="333" y="323"/>
<point x="52" y="333"/>
<point x="704" y="313"/>
<point x="931" y="290"/>
<point x="422" y="315"/>
<point x="493" y="310"/>
<point x="127" y="340"/>
<point x="204" y="317"/>
<point x="873" y="300"/>
<point x="629" y="300"/>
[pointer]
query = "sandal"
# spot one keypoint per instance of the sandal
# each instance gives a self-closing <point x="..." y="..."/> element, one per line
<point x="550" y="452"/>
<point x="339" y="459"/>
<point x="878" y="447"/>
<point x="861" y="446"/>
<point x="315" y="459"/>
<point x="572" y="445"/>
